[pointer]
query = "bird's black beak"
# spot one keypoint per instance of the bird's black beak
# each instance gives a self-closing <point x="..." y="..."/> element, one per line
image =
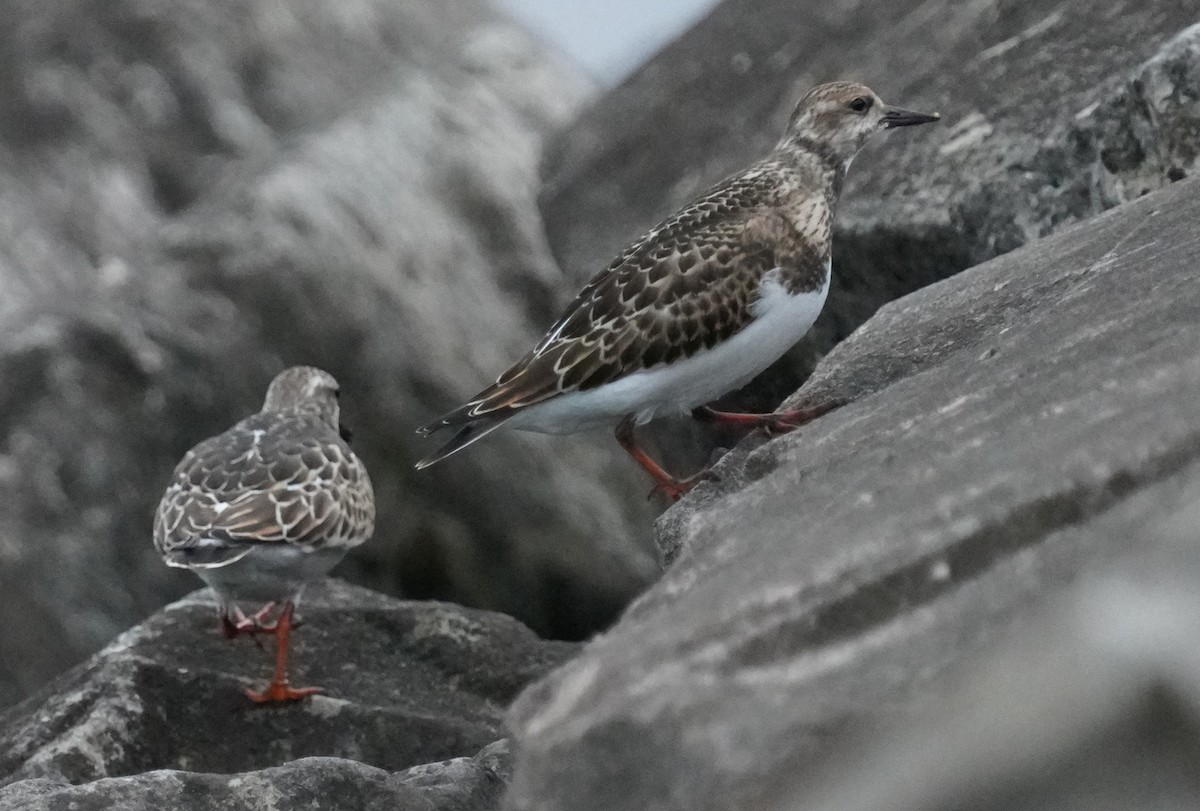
<point x="896" y="117"/>
<point x="345" y="432"/>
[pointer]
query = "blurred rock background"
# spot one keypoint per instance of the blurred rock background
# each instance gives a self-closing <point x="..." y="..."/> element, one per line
<point x="969" y="587"/>
<point x="195" y="194"/>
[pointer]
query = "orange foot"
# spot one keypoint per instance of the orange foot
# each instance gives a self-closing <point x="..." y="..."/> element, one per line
<point x="279" y="692"/>
<point x="676" y="489"/>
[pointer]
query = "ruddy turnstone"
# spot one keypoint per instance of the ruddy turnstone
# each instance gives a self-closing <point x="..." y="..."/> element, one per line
<point x="701" y="304"/>
<point x="267" y="507"/>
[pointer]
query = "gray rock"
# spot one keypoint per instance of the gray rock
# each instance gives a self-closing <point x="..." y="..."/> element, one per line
<point x="842" y="576"/>
<point x="415" y="694"/>
<point x="193" y="196"/>
<point x="1092" y="705"/>
<point x="461" y="784"/>
<point x="1053" y="111"/>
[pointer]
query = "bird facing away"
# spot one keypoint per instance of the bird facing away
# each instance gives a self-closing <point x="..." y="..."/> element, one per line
<point x="701" y="304"/>
<point x="267" y="507"/>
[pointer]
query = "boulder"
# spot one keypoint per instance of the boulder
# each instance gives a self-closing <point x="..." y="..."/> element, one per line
<point x="1006" y="434"/>
<point x="315" y="783"/>
<point x="412" y="710"/>
<point x="1091" y="706"/>
<point x="1052" y="112"/>
<point x="194" y="195"/>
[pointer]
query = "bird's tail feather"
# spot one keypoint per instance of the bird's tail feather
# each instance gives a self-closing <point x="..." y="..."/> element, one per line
<point x="207" y="554"/>
<point x="469" y="433"/>
<point x="460" y="416"/>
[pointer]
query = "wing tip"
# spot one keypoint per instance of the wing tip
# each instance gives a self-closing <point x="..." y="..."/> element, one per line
<point x="467" y="435"/>
<point x="465" y="413"/>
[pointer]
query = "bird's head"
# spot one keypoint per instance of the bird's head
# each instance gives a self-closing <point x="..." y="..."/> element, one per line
<point x="835" y="120"/>
<point x="304" y="388"/>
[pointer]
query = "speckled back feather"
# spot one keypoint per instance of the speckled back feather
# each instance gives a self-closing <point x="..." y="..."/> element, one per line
<point x="686" y="286"/>
<point x="272" y="478"/>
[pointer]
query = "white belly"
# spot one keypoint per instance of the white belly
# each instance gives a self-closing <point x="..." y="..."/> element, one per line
<point x="780" y="320"/>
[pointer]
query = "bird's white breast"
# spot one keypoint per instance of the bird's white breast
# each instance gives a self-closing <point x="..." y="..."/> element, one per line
<point x="780" y="320"/>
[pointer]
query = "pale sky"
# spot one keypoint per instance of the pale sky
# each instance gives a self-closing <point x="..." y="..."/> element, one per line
<point x="610" y="38"/>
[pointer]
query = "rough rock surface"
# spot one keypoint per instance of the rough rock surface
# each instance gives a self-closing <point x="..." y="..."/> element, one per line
<point x="159" y="713"/>
<point x="1094" y="706"/>
<point x="1007" y="430"/>
<point x="1052" y="111"/>
<point x="307" y="784"/>
<point x="193" y="195"/>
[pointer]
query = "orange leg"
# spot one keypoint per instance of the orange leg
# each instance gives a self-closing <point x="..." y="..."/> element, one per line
<point x="279" y="690"/>
<point x="664" y="482"/>
<point x="777" y="422"/>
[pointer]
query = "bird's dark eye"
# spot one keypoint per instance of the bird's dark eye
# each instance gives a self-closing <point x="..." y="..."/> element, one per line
<point x="860" y="104"/>
<point x="337" y="394"/>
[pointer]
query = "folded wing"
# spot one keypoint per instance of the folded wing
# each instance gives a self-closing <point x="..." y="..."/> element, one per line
<point x="262" y="484"/>
<point x="686" y="286"/>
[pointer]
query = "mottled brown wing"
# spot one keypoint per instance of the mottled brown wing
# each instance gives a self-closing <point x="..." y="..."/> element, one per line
<point x="683" y="288"/>
<point x="269" y="479"/>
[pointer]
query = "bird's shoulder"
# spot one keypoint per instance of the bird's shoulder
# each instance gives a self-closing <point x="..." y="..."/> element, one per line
<point x="689" y="253"/>
<point x="260" y="448"/>
<point x="718" y="217"/>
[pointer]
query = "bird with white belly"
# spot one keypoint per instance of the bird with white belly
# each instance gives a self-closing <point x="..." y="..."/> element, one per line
<point x="698" y="306"/>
